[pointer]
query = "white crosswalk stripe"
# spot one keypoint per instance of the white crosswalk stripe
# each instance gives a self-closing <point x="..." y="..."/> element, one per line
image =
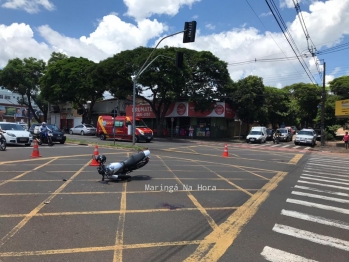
<point x="272" y="145"/>
<point x="323" y="186"/>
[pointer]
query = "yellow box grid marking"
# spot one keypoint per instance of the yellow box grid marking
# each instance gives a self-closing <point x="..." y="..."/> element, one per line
<point x="29" y="216"/>
<point x="202" y="210"/>
<point x="219" y="234"/>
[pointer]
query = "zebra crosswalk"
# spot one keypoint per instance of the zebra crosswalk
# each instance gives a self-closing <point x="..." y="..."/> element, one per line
<point x="280" y="146"/>
<point x="316" y="214"/>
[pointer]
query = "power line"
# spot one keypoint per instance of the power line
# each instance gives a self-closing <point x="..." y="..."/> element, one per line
<point x="267" y="30"/>
<point x="289" y="38"/>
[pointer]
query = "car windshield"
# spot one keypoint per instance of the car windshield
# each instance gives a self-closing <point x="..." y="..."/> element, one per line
<point x="11" y="127"/>
<point x="269" y="131"/>
<point x="283" y="131"/>
<point x="53" y="127"/>
<point x="307" y="133"/>
<point x="255" y="133"/>
<point x="140" y="123"/>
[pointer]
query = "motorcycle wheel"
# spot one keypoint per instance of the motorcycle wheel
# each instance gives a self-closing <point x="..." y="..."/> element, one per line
<point x="2" y="145"/>
<point x="50" y="142"/>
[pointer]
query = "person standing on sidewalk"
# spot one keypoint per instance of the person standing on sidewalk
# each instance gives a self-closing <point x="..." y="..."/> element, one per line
<point x="346" y="140"/>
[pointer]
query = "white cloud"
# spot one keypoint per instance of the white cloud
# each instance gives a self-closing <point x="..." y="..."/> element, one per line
<point x="210" y="26"/>
<point x="265" y="14"/>
<point x="288" y="3"/>
<point x="140" y="9"/>
<point x="17" y="40"/>
<point x="30" y="6"/>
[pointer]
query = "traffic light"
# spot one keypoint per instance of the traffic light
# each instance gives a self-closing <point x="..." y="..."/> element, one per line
<point x="189" y="32"/>
<point x="179" y="60"/>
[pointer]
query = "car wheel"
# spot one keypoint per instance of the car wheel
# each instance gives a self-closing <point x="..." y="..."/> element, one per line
<point x="102" y="137"/>
<point x="71" y="132"/>
<point x="82" y="133"/>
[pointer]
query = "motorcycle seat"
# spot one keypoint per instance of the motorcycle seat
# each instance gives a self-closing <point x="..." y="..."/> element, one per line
<point x="134" y="159"/>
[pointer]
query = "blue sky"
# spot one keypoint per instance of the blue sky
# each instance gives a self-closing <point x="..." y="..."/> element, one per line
<point x="234" y="31"/>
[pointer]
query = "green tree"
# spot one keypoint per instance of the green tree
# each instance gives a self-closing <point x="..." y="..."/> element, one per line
<point x="202" y="79"/>
<point x="22" y="77"/>
<point x="72" y="80"/>
<point x="340" y="87"/>
<point x="249" y="99"/>
<point x="276" y="106"/>
<point x="307" y="98"/>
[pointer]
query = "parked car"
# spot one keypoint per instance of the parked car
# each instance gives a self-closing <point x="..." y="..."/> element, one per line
<point x="306" y="136"/>
<point x="15" y="134"/>
<point x="257" y="136"/>
<point x="58" y="135"/>
<point x="286" y="134"/>
<point x="83" y="129"/>
<point x="270" y="133"/>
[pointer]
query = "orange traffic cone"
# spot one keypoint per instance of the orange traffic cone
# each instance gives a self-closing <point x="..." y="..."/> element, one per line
<point x="35" y="152"/>
<point x="95" y="154"/>
<point x="225" y="152"/>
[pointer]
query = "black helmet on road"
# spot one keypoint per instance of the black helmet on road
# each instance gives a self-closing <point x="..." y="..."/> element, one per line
<point x="101" y="159"/>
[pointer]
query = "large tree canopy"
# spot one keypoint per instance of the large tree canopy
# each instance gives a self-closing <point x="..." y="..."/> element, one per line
<point x="248" y="98"/>
<point x="22" y="77"/>
<point x="72" y="80"/>
<point x="203" y="78"/>
<point x="340" y="86"/>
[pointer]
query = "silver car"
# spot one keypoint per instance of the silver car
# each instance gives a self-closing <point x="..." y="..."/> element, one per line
<point x="306" y="136"/>
<point x="84" y="129"/>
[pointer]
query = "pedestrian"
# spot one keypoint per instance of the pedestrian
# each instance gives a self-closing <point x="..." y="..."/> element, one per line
<point x="346" y="140"/>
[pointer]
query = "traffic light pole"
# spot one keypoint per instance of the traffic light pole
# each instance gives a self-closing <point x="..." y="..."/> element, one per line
<point x="141" y="70"/>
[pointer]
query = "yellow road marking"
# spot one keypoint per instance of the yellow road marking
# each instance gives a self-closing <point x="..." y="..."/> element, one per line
<point x="229" y="182"/>
<point x="118" y="212"/>
<point x="223" y="164"/>
<point x="58" y="157"/>
<point x="230" y="229"/>
<point x="119" y="240"/>
<point x="26" y="172"/>
<point x="98" y="249"/>
<point x="37" y="209"/>
<point x="202" y="210"/>
<point x="296" y="158"/>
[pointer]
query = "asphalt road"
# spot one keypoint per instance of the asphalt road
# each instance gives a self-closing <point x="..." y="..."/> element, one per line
<point x="188" y="204"/>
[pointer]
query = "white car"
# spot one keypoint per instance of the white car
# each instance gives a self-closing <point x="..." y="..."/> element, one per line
<point x="306" y="136"/>
<point x="256" y="136"/>
<point x="15" y="134"/>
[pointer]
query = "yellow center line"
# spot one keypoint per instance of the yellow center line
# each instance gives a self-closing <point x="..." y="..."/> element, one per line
<point x="121" y="225"/>
<point x="38" y="208"/>
<point x="230" y="229"/>
<point x="211" y="222"/>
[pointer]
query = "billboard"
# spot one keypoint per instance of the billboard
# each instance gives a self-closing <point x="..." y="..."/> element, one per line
<point x="13" y="111"/>
<point x="184" y="109"/>
<point x="342" y="108"/>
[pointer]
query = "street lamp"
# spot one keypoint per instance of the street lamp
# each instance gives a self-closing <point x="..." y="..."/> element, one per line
<point x="114" y="129"/>
<point x="189" y="36"/>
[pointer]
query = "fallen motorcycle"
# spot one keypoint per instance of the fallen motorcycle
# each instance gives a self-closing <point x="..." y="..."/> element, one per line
<point x="2" y="141"/>
<point x="119" y="170"/>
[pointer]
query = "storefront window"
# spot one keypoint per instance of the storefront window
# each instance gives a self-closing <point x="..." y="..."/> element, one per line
<point x="203" y="127"/>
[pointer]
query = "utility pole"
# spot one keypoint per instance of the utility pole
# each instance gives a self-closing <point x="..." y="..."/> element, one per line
<point x="323" y="107"/>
